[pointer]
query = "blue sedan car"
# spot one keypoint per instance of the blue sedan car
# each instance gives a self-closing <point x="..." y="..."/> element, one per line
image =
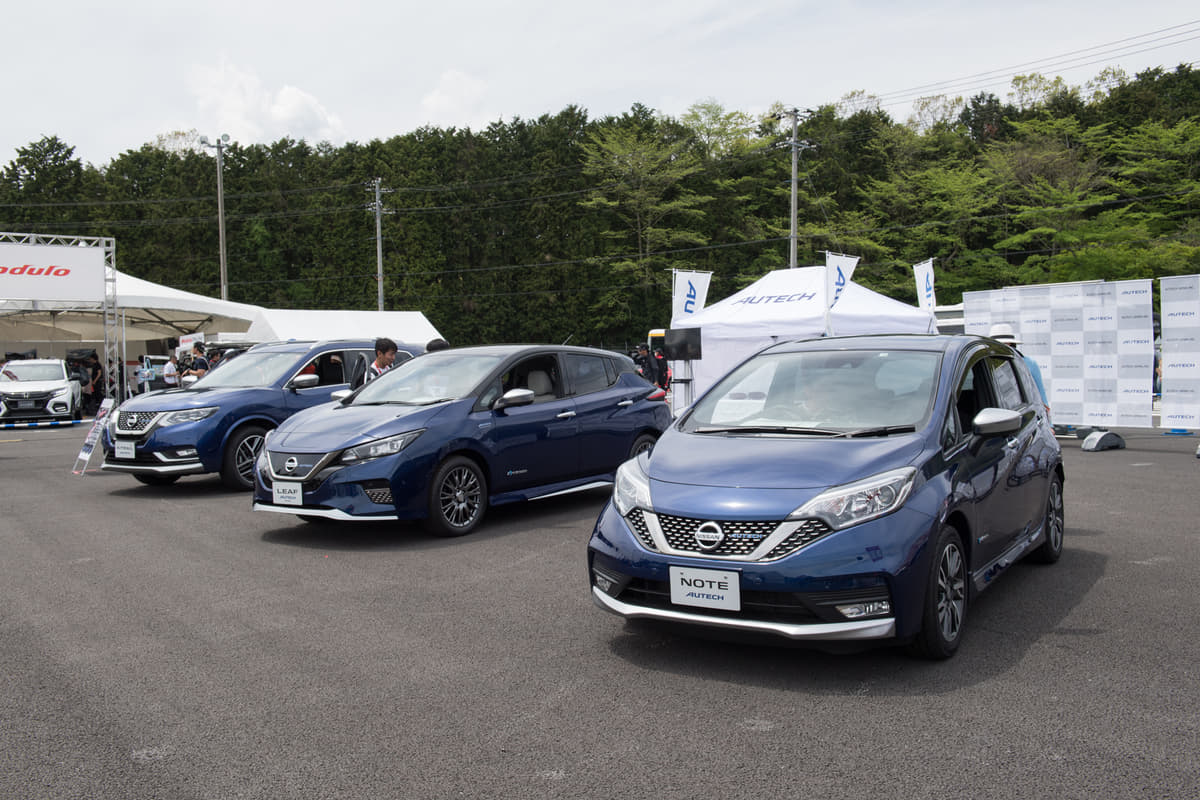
<point x="840" y="490"/>
<point x="443" y="436"/>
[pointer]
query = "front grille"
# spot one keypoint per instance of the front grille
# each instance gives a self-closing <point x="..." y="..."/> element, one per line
<point x="808" y="532"/>
<point x="302" y="464"/>
<point x="135" y="421"/>
<point x="741" y="537"/>
<point x="637" y="523"/>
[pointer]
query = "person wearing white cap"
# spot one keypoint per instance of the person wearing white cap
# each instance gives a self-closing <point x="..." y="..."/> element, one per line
<point x="1003" y="332"/>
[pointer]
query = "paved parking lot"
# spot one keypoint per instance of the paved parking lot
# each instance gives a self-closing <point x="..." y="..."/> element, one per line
<point x="169" y="642"/>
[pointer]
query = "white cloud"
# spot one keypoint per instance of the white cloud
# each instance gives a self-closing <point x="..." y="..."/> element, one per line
<point x="235" y="101"/>
<point x="457" y="97"/>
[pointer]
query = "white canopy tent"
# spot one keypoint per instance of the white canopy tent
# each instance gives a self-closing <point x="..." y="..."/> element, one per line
<point x="146" y="310"/>
<point x="785" y="304"/>
<point x="406" y="327"/>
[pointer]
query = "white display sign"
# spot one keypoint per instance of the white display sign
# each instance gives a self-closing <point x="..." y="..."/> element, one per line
<point x="51" y="272"/>
<point x="1180" y="298"/>
<point x="1135" y="354"/>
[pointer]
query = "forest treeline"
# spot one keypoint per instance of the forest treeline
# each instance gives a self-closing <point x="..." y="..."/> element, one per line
<point x="568" y="227"/>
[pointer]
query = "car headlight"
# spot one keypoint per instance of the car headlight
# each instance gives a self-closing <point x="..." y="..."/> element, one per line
<point x="61" y="392"/>
<point x="187" y="415"/>
<point x="379" y="448"/>
<point x="631" y="489"/>
<point x="854" y="503"/>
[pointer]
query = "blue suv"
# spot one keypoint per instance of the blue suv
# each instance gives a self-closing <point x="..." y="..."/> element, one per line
<point x="218" y="423"/>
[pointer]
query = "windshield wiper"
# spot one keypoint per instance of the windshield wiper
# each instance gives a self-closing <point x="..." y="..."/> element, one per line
<point x="770" y="429"/>
<point x="882" y="430"/>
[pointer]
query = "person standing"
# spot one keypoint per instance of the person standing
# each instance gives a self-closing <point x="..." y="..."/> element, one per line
<point x="385" y="356"/>
<point x="200" y="364"/>
<point x="648" y="363"/>
<point x="171" y="372"/>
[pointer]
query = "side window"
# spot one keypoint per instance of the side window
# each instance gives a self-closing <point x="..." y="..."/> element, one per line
<point x="539" y="374"/>
<point x="331" y="368"/>
<point x="401" y="356"/>
<point x="1008" y="388"/>
<point x="588" y="373"/>
<point x="971" y="396"/>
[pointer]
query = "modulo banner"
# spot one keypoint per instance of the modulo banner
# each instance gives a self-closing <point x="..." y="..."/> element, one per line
<point x="1180" y="299"/>
<point x="51" y="272"/>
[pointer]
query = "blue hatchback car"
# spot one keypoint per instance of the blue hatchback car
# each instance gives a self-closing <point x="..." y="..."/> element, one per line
<point x="443" y="436"/>
<point x="840" y="490"/>
<point x="217" y="424"/>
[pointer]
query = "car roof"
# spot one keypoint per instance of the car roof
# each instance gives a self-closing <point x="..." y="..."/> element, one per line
<point x="951" y="344"/>
<point x="34" y="361"/>
<point x="304" y="346"/>
<point x="514" y="349"/>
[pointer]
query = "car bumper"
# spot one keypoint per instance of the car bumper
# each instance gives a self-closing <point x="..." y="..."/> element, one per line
<point x="389" y="488"/>
<point x="795" y="598"/>
<point x="162" y="451"/>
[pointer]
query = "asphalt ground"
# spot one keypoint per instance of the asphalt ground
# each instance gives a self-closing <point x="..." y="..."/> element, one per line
<point x="171" y="643"/>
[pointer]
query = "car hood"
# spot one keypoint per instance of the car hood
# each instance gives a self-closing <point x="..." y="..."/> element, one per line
<point x="32" y="386"/>
<point x="333" y="426"/>
<point x="181" y="399"/>
<point x="763" y="477"/>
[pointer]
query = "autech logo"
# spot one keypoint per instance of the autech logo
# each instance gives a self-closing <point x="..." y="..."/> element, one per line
<point x="29" y="269"/>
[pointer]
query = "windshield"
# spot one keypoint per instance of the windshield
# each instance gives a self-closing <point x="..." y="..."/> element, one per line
<point x="33" y="372"/>
<point x="443" y="375"/>
<point x="843" y="392"/>
<point x="250" y="369"/>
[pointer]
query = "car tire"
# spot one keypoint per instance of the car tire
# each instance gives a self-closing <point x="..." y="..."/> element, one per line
<point x="156" y="480"/>
<point x="945" y="613"/>
<point x="237" y="469"/>
<point x="77" y="411"/>
<point x="1054" y="525"/>
<point x="641" y="444"/>
<point x="457" y="497"/>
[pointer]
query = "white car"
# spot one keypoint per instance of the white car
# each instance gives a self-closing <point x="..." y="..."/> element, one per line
<point x="37" y="388"/>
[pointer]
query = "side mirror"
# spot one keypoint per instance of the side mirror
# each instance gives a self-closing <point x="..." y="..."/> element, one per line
<point x="305" y="381"/>
<point x="188" y="380"/>
<point x="340" y="395"/>
<point x="513" y="397"/>
<point x="996" y="422"/>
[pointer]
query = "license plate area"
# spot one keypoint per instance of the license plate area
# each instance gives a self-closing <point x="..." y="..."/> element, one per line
<point x="706" y="588"/>
<point x="126" y="449"/>
<point x="287" y="493"/>
<point x="27" y="404"/>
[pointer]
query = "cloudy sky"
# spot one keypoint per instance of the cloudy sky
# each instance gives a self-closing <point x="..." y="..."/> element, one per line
<point x="110" y="77"/>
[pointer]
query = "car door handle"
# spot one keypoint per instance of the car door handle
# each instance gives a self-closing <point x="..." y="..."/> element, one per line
<point x="565" y="415"/>
<point x="624" y="403"/>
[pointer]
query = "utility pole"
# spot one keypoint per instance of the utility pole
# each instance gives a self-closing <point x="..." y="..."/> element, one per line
<point x="219" y="144"/>
<point x="796" y="145"/>
<point x="379" y="212"/>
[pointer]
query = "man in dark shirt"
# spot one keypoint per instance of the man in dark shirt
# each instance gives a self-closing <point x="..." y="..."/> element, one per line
<point x="199" y="362"/>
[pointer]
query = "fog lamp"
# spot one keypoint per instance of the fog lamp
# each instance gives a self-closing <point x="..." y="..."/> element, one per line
<point x="872" y="608"/>
<point x="185" y="452"/>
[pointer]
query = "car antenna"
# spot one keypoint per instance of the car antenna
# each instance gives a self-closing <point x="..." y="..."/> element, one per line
<point x="568" y="338"/>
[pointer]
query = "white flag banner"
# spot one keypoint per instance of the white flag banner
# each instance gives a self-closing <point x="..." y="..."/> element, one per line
<point x="838" y="269"/>
<point x="689" y="294"/>
<point x="923" y="273"/>
<point x="1180" y="300"/>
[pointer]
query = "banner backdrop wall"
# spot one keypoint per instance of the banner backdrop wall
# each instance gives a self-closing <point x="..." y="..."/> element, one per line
<point x="1180" y="297"/>
<point x="1092" y="341"/>
<point x="51" y="272"/>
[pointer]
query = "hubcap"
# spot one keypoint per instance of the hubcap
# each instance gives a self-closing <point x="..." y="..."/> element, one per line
<point x="1055" y="517"/>
<point x="459" y="497"/>
<point x="951" y="592"/>
<point x="246" y="454"/>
